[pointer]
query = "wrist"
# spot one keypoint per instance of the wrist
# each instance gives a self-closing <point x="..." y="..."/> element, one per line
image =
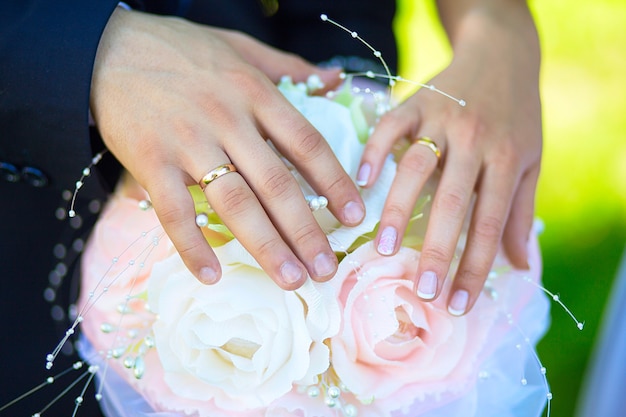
<point x="499" y="34"/>
<point x="505" y="27"/>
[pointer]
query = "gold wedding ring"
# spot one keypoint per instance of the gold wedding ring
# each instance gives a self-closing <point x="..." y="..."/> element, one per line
<point x="430" y="144"/>
<point x="214" y="174"/>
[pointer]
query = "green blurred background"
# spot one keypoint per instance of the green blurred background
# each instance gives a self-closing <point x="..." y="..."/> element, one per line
<point x="582" y="190"/>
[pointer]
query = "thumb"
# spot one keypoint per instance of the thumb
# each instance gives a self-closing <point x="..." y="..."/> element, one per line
<point x="275" y="63"/>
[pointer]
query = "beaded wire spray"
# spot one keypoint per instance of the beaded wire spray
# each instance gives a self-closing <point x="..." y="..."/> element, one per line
<point x="140" y="341"/>
<point x="392" y="79"/>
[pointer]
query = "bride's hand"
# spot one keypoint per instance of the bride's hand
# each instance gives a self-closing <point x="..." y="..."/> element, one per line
<point x="492" y="147"/>
<point x="173" y="100"/>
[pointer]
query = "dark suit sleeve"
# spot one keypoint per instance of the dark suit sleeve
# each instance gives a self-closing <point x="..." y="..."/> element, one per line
<point x="47" y="51"/>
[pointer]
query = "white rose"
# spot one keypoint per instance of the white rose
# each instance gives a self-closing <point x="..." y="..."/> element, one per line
<point x="242" y="342"/>
<point x="336" y="123"/>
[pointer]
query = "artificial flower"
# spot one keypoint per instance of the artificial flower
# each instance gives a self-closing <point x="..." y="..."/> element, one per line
<point x="360" y="344"/>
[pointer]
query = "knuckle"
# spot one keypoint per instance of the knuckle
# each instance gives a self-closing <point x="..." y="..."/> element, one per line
<point x="489" y="228"/>
<point x="374" y="149"/>
<point x="251" y="81"/>
<point x="172" y="215"/>
<point x="391" y="118"/>
<point x="236" y="200"/>
<point x="188" y="131"/>
<point x="471" y="279"/>
<point x="416" y="163"/>
<point x="189" y="247"/>
<point x="310" y="144"/>
<point x="396" y="211"/>
<point x="267" y="248"/>
<point x="451" y="200"/>
<point x="339" y="184"/>
<point x="472" y="128"/>
<point x="436" y="254"/>
<point x="295" y="61"/>
<point x="306" y="233"/>
<point x="507" y="155"/>
<point x="278" y="183"/>
<point x="244" y="76"/>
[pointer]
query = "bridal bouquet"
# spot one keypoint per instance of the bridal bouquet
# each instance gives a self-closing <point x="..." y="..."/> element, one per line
<point x="361" y="344"/>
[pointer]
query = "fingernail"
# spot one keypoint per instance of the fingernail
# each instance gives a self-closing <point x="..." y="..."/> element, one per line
<point x="427" y="285"/>
<point x="387" y="241"/>
<point x="458" y="303"/>
<point x="353" y="212"/>
<point x="208" y="275"/>
<point x="291" y="273"/>
<point x="324" y="265"/>
<point x="363" y="175"/>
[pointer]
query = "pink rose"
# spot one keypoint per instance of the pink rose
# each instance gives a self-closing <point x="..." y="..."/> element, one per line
<point x="116" y="264"/>
<point x="396" y="351"/>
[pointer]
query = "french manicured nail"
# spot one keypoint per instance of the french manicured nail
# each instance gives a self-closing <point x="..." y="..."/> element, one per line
<point x="363" y="175"/>
<point x="458" y="303"/>
<point x="208" y="275"/>
<point x="353" y="212"/>
<point x="427" y="285"/>
<point x="387" y="241"/>
<point x="324" y="265"/>
<point x="291" y="273"/>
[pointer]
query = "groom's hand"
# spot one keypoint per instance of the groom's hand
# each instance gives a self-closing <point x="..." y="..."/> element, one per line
<point x="173" y="100"/>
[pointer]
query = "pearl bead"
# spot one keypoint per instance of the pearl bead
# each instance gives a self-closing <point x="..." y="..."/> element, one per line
<point x="202" y="220"/>
<point x="313" y="392"/>
<point x="140" y="368"/>
<point x="145" y="205"/>
<point x="314" y="205"/>
<point x="350" y="410"/>
<point x="129" y="362"/>
<point x="149" y="341"/>
<point x="334" y="392"/>
<point x="118" y="352"/>
<point x="314" y="82"/>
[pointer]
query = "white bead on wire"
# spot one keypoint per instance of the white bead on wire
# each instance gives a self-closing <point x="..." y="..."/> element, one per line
<point x="392" y="79"/>
<point x="79" y="184"/>
<point x="316" y="202"/>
